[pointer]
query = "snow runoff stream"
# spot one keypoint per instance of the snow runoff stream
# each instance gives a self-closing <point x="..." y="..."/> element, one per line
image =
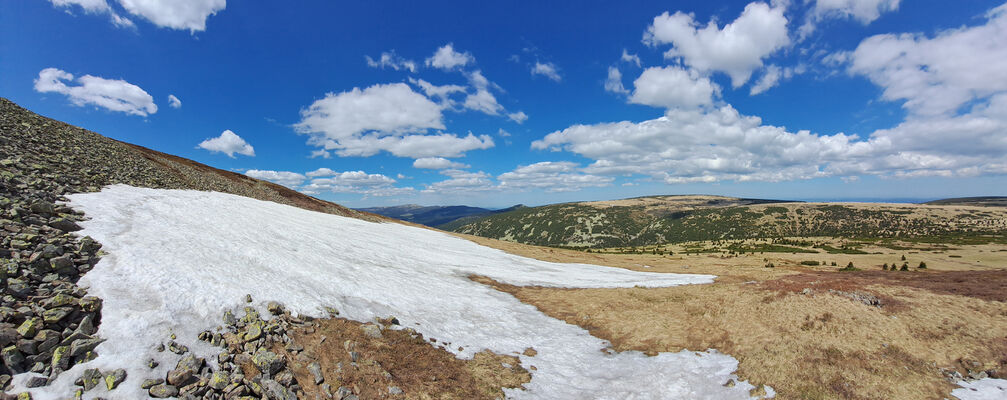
<point x="177" y="259"/>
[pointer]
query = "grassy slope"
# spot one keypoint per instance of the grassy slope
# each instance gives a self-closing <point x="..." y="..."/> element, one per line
<point x="621" y="225"/>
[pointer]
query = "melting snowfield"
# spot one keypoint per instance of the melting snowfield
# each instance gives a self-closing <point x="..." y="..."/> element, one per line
<point x="177" y="259"/>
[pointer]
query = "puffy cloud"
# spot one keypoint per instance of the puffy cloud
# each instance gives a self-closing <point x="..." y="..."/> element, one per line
<point x="96" y="7"/>
<point x="447" y="58"/>
<point x="548" y="70"/>
<point x="91" y="6"/>
<point x="672" y="87"/>
<point x="389" y="59"/>
<point x="414" y="146"/>
<point x="383" y="118"/>
<point x="320" y="172"/>
<point x="630" y="58"/>
<point x="769" y="79"/>
<point x="865" y="11"/>
<point x="519" y="117"/>
<point x="188" y="15"/>
<point x="737" y="50"/>
<point x="390" y="108"/>
<point x="174" y="102"/>
<point x="320" y="153"/>
<point x="442" y="93"/>
<point x="614" y="82"/>
<point x="285" y="178"/>
<point x="437" y="163"/>
<point x="461" y="182"/>
<point x="552" y="176"/>
<point x="370" y="185"/>
<point x="695" y="145"/>
<point x="710" y="145"/>
<point x="939" y="75"/>
<point x="482" y="100"/>
<point x="112" y="94"/>
<point x="228" y="143"/>
<point x="774" y="74"/>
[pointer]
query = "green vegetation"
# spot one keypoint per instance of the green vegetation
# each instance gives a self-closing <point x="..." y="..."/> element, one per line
<point x="641" y="223"/>
<point x="766" y="248"/>
<point x="849" y="267"/>
<point x="810" y="263"/>
<point x="843" y="250"/>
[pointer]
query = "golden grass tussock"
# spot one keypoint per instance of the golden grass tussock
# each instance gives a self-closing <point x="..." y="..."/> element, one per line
<point x="811" y="333"/>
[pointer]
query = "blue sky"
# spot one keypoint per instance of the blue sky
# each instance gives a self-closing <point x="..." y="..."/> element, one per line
<point x="493" y="104"/>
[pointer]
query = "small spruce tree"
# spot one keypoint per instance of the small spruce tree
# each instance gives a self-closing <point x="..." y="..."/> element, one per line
<point x="885" y="267"/>
<point x="905" y="267"/>
<point x="923" y="265"/>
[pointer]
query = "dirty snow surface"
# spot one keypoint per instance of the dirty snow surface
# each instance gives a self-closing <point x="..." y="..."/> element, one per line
<point x="177" y="259"/>
<point x="983" y="389"/>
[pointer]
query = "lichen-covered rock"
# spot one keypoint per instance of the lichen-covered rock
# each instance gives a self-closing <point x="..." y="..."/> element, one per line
<point x="268" y="362"/>
<point x="113" y="379"/>
<point x="91" y="378"/>
<point x="162" y="391"/>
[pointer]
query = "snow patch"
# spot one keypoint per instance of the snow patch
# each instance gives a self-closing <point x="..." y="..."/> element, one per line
<point x="177" y="259"/>
<point x="983" y="389"/>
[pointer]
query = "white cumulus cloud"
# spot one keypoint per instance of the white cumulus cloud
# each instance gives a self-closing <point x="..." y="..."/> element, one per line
<point x="442" y="93"/>
<point x="360" y="182"/>
<point x="462" y="182"/>
<point x="552" y="176"/>
<point x="865" y="11"/>
<point x="174" y="102"/>
<point x="630" y="58"/>
<point x="614" y="82"/>
<point x="519" y="117"/>
<point x="938" y="75"/>
<point x="672" y="87"/>
<point x="447" y="58"/>
<point x="96" y="7"/>
<point x="188" y="15"/>
<point x="389" y="59"/>
<point x="437" y="163"/>
<point x="389" y="108"/>
<point x="284" y="178"/>
<point x="482" y="100"/>
<point x="228" y="143"/>
<point x="548" y="70"/>
<point x="111" y="94"/>
<point x="737" y="49"/>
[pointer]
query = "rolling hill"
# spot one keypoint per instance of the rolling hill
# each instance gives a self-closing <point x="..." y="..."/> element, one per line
<point x="435" y="216"/>
<point x="984" y="201"/>
<point x="674" y="219"/>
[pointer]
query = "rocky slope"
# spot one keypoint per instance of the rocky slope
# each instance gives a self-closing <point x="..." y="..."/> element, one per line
<point x="84" y="161"/>
<point x="49" y="323"/>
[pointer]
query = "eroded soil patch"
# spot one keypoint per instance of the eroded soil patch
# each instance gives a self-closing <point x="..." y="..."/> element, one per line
<point x="375" y="362"/>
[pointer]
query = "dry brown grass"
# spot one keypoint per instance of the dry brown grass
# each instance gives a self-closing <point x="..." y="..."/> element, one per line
<point x="400" y="358"/>
<point x="813" y="345"/>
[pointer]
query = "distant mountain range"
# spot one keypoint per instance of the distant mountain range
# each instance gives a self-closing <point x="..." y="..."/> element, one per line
<point x="443" y="217"/>
<point x="987" y="201"/>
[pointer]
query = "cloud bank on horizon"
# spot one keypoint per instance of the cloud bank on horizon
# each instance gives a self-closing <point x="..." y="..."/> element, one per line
<point x="436" y="107"/>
